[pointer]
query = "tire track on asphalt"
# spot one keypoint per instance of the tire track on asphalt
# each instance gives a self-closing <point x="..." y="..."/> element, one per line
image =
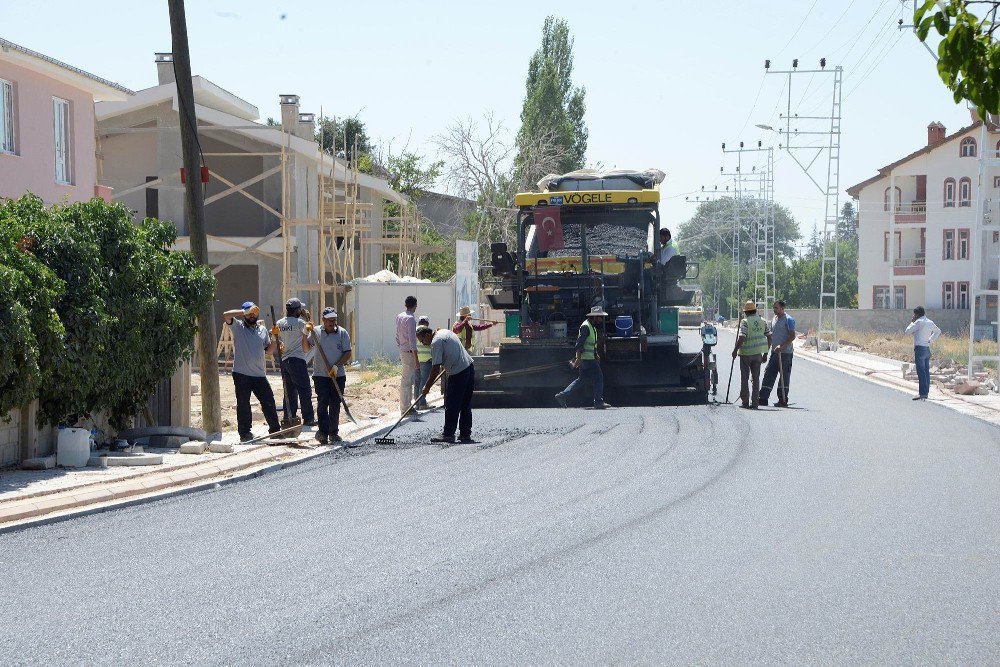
<point x="741" y="427"/>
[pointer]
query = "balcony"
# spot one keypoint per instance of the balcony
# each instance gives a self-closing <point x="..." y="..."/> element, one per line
<point x="908" y="266"/>
<point x="914" y="212"/>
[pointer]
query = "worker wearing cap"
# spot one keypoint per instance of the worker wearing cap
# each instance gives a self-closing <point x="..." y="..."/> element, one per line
<point x="587" y="359"/>
<point x="751" y="346"/>
<point x="424" y="359"/>
<point x="449" y="355"/>
<point x="292" y="330"/>
<point x="251" y="342"/>
<point x="335" y="343"/>
<point x="465" y="329"/>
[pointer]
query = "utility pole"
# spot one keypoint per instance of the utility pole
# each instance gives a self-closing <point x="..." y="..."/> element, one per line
<point x="194" y="209"/>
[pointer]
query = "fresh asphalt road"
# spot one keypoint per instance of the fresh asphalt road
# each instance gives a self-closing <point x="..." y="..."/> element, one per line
<point x="858" y="527"/>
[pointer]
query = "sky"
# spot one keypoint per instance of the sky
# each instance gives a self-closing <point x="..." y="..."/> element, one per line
<point x="667" y="82"/>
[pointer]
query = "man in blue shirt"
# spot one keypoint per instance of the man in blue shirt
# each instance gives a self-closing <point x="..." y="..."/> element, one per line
<point x="251" y="342"/>
<point x="782" y="345"/>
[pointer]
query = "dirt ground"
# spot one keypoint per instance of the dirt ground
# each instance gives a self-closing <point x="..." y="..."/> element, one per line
<point x="370" y="394"/>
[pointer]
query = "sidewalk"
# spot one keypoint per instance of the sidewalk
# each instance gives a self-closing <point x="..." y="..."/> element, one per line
<point x="30" y="497"/>
<point x="889" y="373"/>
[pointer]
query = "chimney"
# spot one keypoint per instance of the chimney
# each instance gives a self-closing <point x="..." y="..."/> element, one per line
<point x="164" y="68"/>
<point x="935" y="133"/>
<point x="290" y="113"/>
<point x="307" y="125"/>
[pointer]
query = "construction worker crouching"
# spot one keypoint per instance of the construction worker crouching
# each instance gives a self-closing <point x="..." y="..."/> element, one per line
<point x="465" y="329"/>
<point x="335" y="345"/>
<point x="251" y="342"/>
<point x="751" y="345"/>
<point x="292" y="330"/>
<point x="587" y="359"/>
<point x="449" y="355"/>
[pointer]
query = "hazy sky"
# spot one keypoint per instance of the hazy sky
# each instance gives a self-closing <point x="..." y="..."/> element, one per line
<point x="667" y="82"/>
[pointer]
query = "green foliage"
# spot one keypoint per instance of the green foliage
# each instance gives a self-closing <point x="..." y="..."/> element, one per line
<point x="699" y="237"/>
<point x="116" y="311"/>
<point x="440" y="266"/>
<point x="968" y="57"/>
<point x="409" y="175"/>
<point x="552" y="106"/>
<point x="347" y="135"/>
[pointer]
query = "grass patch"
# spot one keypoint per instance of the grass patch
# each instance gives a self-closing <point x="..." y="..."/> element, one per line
<point x="900" y="346"/>
<point x="379" y="368"/>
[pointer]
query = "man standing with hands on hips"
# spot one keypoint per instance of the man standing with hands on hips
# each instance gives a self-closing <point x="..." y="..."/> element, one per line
<point x="924" y="333"/>
<point x="406" y="341"/>
<point x="335" y="343"/>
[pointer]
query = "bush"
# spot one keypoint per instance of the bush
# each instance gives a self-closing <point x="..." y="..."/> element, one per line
<point x="125" y="301"/>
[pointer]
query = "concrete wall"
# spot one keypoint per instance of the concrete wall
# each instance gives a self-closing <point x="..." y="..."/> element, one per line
<point x="372" y="310"/>
<point x="954" y="322"/>
<point x="32" y="169"/>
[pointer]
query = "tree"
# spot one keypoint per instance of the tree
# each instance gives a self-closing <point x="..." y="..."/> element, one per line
<point x="847" y="226"/>
<point x="111" y="307"/>
<point x="347" y="135"/>
<point x="968" y="57"/>
<point x="483" y="163"/>
<point x="552" y="106"/>
<point x="699" y="236"/>
<point x="408" y="175"/>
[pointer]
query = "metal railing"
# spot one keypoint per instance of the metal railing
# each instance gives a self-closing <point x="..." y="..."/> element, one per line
<point x="913" y="207"/>
<point x="909" y="261"/>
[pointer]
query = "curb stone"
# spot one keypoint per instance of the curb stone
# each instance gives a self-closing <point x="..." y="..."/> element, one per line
<point x="173" y="489"/>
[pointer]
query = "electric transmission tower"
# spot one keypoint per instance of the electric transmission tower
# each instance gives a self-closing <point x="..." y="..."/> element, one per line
<point x="806" y="155"/>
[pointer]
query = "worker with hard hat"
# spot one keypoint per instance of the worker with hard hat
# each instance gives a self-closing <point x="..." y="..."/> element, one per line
<point x="587" y="359"/>
<point x="752" y="343"/>
<point x="465" y="329"/>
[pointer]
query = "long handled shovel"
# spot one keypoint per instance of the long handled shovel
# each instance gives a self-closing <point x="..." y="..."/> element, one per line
<point x="279" y="351"/>
<point x="733" y="364"/>
<point x="336" y="387"/>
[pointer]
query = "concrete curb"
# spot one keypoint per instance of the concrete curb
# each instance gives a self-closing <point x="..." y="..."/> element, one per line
<point x="97" y="500"/>
<point x="883" y="378"/>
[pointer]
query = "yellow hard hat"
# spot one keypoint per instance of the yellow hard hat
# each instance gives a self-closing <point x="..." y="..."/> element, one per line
<point x="749" y="307"/>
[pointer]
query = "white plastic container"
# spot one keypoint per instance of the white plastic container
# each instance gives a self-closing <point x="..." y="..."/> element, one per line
<point x="73" y="447"/>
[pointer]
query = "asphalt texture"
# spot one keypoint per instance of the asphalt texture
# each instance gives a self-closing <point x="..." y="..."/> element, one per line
<point x="858" y="527"/>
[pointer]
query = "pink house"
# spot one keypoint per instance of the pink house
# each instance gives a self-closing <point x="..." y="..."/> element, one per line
<point x="47" y="127"/>
<point x="47" y="147"/>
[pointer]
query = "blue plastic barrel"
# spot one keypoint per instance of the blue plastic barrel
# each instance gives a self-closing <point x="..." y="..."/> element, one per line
<point x="623" y="323"/>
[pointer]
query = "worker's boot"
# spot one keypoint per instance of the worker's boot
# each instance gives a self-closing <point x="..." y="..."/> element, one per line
<point x="321" y="437"/>
<point x="444" y="439"/>
<point x="561" y="400"/>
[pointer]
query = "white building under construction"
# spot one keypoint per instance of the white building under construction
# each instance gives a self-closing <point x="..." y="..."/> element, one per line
<point x="283" y="218"/>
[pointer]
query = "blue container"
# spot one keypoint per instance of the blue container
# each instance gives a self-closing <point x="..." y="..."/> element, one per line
<point x="623" y="323"/>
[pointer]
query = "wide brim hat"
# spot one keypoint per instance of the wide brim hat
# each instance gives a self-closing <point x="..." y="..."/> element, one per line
<point x="464" y="310"/>
<point x="749" y="307"/>
<point x="597" y="311"/>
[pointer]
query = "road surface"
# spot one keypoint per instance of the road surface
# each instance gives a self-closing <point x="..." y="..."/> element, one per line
<point x="859" y="527"/>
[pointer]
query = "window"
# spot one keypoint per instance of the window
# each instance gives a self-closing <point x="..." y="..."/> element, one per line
<point x="948" y="296"/>
<point x="948" y="248"/>
<point x="923" y="242"/>
<point x="880" y="297"/>
<point x="63" y="140"/>
<point x="963" y="244"/>
<point x="996" y="237"/>
<point x="885" y="199"/>
<point x="967" y="148"/>
<point x="900" y="297"/>
<point x="965" y="192"/>
<point x="963" y="295"/>
<point x="996" y="181"/>
<point x="6" y="117"/>
<point x="949" y="192"/>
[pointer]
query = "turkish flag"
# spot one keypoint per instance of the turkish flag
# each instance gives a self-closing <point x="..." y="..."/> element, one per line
<point x="548" y="228"/>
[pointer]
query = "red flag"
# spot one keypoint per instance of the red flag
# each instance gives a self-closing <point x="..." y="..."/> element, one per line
<point x="548" y="228"/>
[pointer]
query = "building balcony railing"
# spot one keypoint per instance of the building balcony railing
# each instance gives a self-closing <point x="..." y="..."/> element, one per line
<point x="908" y="266"/>
<point x="912" y="207"/>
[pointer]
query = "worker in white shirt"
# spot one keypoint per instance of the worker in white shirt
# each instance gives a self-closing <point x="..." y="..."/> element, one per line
<point x="924" y="333"/>
<point x="668" y="247"/>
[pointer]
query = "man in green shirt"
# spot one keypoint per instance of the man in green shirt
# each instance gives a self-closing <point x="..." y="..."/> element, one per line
<point x="752" y="343"/>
